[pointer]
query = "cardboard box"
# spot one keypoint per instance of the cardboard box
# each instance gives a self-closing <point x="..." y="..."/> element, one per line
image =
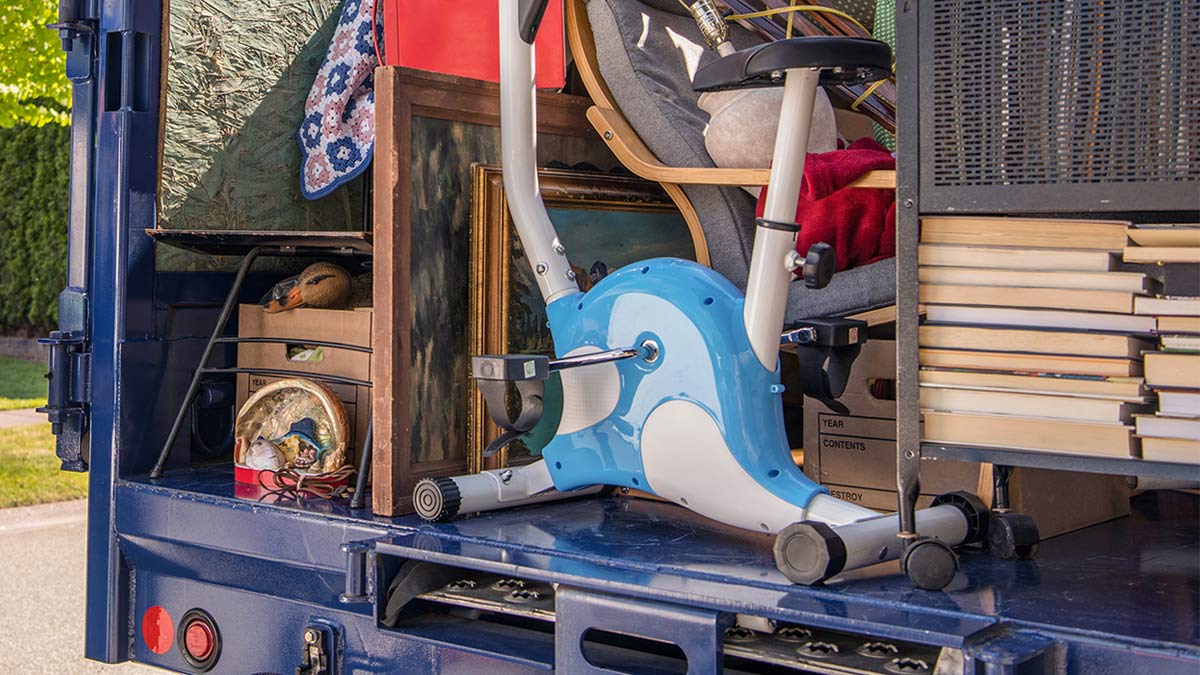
<point x="349" y="326"/>
<point x="854" y="456"/>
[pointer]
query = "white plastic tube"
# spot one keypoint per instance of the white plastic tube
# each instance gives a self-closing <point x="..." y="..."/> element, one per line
<point x="767" y="285"/>
<point x="873" y="541"/>
<point x="518" y="139"/>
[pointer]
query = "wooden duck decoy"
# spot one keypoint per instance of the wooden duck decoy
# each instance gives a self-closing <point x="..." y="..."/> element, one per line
<point x="322" y="285"/>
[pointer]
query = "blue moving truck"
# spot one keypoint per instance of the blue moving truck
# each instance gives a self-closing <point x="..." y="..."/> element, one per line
<point x="184" y="575"/>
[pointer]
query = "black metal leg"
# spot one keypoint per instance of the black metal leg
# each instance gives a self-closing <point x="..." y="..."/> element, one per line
<point x="359" y="500"/>
<point x="1010" y="536"/>
<point x="1000" y="477"/>
<point x="190" y="396"/>
<point x="908" y="488"/>
<point x="367" y="201"/>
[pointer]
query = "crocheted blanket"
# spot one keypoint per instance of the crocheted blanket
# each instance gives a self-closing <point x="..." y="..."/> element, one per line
<point x="337" y="137"/>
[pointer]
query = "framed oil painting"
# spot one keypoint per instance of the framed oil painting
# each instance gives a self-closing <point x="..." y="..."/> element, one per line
<point x="605" y="221"/>
<point x="430" y="130"/>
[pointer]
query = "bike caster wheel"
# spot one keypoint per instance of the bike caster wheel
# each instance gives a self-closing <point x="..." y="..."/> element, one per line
<point x="1012" y="536"/>
<point x="809" y="552"/>
<point x="929" y="563"/>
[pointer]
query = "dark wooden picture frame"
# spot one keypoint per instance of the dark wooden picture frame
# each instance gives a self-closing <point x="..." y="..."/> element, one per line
<point x="427" y="127"/>
<point x="620" y="208"/>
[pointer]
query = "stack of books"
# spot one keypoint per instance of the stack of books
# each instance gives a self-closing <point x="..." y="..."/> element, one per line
<point x="1032" y="340"/>
<point x="1172" y="434"/>
<point x="1164" y="244"/>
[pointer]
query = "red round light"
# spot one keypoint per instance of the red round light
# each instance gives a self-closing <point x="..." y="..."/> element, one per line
<point x="199" y="640"/>
<point x="158" y="630"/>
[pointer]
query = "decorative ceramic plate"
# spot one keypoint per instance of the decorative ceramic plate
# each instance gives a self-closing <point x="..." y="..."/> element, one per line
<point x="295" y="423"/>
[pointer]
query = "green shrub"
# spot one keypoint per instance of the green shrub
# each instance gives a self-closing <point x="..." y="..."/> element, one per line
<point x="34" y="164"/>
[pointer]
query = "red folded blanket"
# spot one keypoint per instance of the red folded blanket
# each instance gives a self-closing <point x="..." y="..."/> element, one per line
<point x="860" y="223"/>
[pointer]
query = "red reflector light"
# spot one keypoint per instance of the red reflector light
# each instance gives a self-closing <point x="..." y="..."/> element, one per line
<point x="158" y="630"/>
<point x="198" y="639"/>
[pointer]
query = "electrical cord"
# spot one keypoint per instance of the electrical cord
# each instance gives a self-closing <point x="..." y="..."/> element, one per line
<point x="292" y="484"/>
<point x="797" y="8"/>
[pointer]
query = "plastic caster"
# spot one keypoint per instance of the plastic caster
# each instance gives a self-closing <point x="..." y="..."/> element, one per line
<point x="809" y="552"/>
<point x="437" y="499"/>
<point x="1012" y="536"/>
<point x="929" y="563"/>
<point x="973" y="509"/>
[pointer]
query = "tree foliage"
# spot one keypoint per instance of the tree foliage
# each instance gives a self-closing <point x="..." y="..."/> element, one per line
<point x="34" y="164"/>
<point x="33" y="85"/>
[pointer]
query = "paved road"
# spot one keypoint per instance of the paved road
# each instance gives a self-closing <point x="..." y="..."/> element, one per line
<point x="20" y="418"/>
<point x="42" y="563"/>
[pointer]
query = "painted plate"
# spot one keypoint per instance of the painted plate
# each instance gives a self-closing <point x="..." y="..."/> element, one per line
<point x="295" y="423"/>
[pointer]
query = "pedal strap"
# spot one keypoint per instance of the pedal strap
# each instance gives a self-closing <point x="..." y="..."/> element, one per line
<point x="827" y="355"/>
<point x="825" y="371"/>
<point x="495" y="397"/>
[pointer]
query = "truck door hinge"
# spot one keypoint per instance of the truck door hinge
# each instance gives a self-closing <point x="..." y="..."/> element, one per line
<point x="71" y="23"/>
<point x="68" y="395"/>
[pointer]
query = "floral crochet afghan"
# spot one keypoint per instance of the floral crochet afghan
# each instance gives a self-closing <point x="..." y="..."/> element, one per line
<point x="337" y="137"/>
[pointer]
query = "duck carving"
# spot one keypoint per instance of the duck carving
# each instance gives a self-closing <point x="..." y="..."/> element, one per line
<point x="323" y="285"/>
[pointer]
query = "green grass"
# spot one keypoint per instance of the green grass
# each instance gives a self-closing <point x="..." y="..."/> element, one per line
<point x="22" y="384"/>
<point x="29" y="469"/>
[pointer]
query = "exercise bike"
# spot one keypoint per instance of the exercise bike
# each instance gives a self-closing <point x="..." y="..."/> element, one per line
<point x="670" y="375"/>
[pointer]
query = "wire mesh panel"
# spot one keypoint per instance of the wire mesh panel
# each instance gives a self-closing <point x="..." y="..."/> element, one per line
<point x="1097" y="98"/>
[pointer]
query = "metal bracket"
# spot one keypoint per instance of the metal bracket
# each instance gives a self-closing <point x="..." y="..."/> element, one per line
<point x="1007" y="652"/>
<point x="70" y="24"/>
<point x="68" y="394"/>
<point x="697" y="632"/>
<point x="798" y="336"/>
<point x="360" y="577"/>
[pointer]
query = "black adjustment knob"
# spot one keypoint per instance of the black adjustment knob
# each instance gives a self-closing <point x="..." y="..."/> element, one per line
<point x="819" y="265"/>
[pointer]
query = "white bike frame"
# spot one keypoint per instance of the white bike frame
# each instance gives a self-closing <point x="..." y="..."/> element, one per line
<point x="869" y="537"/>
<point x="770" y="264"/>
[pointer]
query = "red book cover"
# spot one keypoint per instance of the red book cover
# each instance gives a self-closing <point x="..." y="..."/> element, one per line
<point x="461" y="37"/>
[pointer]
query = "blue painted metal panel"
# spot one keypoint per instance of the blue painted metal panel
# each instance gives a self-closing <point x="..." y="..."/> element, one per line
<point x="261" y="633"/>
<point x="697" y="633"/>
<point x="124" y="181"/>
<point x="190" y="525"/>
<point x="1122" y="597"/>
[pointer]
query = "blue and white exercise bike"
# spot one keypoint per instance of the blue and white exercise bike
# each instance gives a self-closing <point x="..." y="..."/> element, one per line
<point x="670" y="375"/>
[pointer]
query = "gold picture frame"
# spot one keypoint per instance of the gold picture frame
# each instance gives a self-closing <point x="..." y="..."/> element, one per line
<point x="604" y="219"/>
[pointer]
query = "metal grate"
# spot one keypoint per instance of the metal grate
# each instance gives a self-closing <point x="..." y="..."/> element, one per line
<point x="1036" y="92"/>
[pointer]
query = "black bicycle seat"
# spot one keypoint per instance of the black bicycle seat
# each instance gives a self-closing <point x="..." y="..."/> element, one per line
<point x="842" y="60"/>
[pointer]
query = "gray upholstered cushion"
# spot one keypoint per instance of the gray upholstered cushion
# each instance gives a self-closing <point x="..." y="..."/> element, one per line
<point x="648" y="56"/>
<point x="851" y="291"/>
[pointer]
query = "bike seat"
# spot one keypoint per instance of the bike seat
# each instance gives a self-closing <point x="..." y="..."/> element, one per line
<point x="842" y="60"/>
